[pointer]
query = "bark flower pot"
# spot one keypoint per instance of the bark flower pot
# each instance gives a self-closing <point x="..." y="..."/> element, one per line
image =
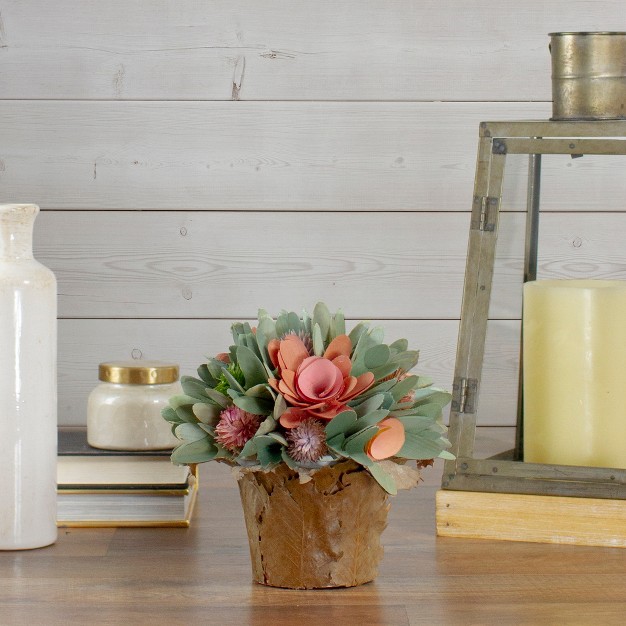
<point x="321" y="533"/>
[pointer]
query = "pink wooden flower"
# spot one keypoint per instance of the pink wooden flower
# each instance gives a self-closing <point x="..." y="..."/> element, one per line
<point x="315" y="386"/>
<point x="387" y="441"/>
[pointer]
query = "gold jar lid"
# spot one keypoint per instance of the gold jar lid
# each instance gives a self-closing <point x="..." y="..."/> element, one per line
<point x="138" y="372"/>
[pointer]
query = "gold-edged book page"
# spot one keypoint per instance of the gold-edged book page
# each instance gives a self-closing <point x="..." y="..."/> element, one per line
<point x="120" y="472"/>
<point x="183" y="522"/>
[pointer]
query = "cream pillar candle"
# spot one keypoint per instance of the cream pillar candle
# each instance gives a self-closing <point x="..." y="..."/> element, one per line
<point x="574" y="358"/>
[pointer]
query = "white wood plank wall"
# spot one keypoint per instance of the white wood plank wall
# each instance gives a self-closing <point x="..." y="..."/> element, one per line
<point x="197" y="160"/>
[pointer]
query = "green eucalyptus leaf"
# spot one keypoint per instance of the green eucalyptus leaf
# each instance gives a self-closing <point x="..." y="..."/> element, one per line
<point x="400" y="406"/>
<point x="370" y="419"/>
<point x="406" y="360"/>
<point x="377" y="356"/>
<point x="400" y="345"/>
<point x="269" y="450"/>
<point x="370" y="404"/>
<point x="169" y="414"/>
<point x="206" y="412"/>
<point x="233" y="383"/>
<point x="336" y="443"/>
<point x="318" y="341"/>
<point x="387" y="401"/>
<point x="402" y="387"/>
<point x="222" y="453"/>
<point x="432" y="410"/>
<point x="233" y="393"/>
<point x="236" y="329"/>
<point x="207" y="428"/>
<point x="190" y="432"/>
<point x="436" y="436"/>
<point x="265" y="332"/>
<point x="278" y="437"/>
<point x="417" y="446"/>
<point x="386" y="481"/>
<point x="340" y="423"/>
<point x="321" y="317"/>
<point x="259" y="391"/>
<point x="360" y="457"/>
<point x="267" y="426"/>
<point x="193" y="387"/>
<point x="288" y="460"/>
<point x="367" y="340"/>
<point x="219" y="398"/>
<point x="215" y="368"/>
<point x="186" y="414"/>
<point x="251" y="366"/>
<point x="194" y="452"/>
<point x="262" y="342"/>
<point x="249" y="448"/>
<point x="270" y="456"/>
<point x="411" y="411"/>
<point x="282" y="325"/>
<point x="423" y="393"/>
<point x="306" y="322"/>
<point x="384" y="371"/>
<point x="280" y="406"/>
<point x="380" y="387"/>
<point x="418" y="423"/>
<point x="338" y="325"/>
<point x="435" y="396"/>
<point x="357" y="331"/>
<point x="268" y="327"/>
<point x="258" y="406"/>
<point x="424" y="381"/>
<point x="181" y="400"/>
<point x="356" y="443"/>
<point x="293" y="323"/>
<point x="205" y="375"/>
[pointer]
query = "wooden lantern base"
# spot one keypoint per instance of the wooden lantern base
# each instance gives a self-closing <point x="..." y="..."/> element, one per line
<point x="539" y="519"/>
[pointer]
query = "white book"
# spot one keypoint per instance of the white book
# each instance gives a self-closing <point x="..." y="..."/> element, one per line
<point x="124" y="491"/>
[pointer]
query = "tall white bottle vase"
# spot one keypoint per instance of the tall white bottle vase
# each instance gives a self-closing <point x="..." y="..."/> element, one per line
<point x="28" y="392"/>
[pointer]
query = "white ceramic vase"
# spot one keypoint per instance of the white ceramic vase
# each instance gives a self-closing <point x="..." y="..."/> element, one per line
<point x="28" y="402"/>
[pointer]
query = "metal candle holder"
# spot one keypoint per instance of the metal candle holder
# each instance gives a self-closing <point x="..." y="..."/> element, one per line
<point x="504" y="473"/>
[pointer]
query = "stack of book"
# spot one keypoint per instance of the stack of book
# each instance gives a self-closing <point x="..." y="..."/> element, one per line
<point x="102" y="488"/>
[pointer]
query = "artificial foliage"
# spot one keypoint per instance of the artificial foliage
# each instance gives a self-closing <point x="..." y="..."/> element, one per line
<point x="302" y="391"/>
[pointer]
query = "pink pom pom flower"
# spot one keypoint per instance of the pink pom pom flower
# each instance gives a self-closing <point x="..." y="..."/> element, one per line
<point x="236" y="427"/>
<point x="307" y="441"/>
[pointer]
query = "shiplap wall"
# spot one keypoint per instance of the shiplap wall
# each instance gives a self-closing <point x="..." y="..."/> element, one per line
<point x="197" y="160"/>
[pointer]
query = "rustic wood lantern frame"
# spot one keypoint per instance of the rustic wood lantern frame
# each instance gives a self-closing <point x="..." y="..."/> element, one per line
<point x="503" y="473"/>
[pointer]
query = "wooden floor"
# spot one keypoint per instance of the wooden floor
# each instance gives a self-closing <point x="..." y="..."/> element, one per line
<point x="201" y="575"/>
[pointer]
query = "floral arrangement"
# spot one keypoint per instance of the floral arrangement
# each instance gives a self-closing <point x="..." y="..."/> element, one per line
<point x="300" y="390"/>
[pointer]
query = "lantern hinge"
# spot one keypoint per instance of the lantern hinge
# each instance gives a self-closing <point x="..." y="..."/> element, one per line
<point x="483" y="213"/>
<point x="464" y="392"/>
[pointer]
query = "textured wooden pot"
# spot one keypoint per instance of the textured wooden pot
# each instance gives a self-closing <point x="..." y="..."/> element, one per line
<point x="318" y="534"/>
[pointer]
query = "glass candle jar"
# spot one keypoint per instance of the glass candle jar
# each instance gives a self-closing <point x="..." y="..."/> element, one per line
<point x="124" y="410"/>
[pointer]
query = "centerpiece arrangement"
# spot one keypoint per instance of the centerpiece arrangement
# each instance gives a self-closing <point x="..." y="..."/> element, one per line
<point x="320" y="424"/>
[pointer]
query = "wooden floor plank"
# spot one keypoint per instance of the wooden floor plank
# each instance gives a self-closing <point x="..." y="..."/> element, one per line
<point x="202" y="575"/>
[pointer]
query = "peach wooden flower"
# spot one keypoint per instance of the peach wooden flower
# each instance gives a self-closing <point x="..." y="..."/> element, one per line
<point x="387" y="441"/>
<point x="315" y="386"/>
